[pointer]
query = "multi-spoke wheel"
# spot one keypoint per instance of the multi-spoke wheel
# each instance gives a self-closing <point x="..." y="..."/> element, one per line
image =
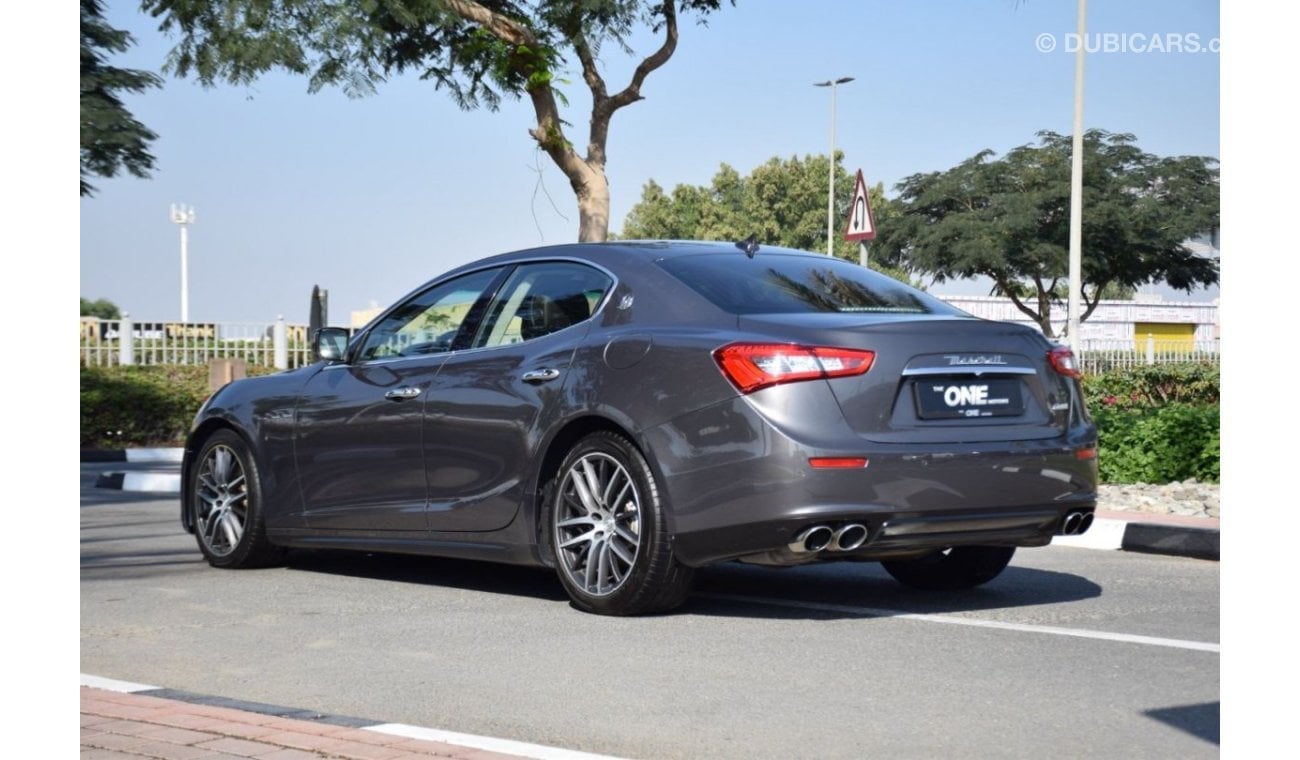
<point x="610" y="535"/>
<point x="959" y="567"/>
<point x="225" y="499"/>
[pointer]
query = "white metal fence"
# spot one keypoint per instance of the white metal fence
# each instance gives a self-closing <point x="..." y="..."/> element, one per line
<point x="104" y="342"/>
<point x="285" y="346"/>
<point x="1101" y="355"/>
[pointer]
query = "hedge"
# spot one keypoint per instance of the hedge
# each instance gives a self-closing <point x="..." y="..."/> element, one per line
<point x="141" y="406"/>
<point x="1157" y="423"/>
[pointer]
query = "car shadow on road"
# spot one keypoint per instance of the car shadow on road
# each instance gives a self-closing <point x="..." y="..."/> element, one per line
<point x="1201" y="721"/>
<point x="864" y="589"/>
<point x="842" y="590"/>
<point x="471" y="575"/>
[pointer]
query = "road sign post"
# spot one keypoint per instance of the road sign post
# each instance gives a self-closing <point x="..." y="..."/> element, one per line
<point x="862" y="224"/>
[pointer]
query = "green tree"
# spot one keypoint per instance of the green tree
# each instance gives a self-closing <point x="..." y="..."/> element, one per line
<point x="1008" y="219"/>
<point x="111" y="138"/>
<point x="102" y="308"/>
<point x="782" y="201"/>
<point x="478" y="51"/>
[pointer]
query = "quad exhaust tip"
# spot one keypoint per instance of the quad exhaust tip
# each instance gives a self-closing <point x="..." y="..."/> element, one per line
<point x="1075" y="523"/>
<point x="812" y="540"/>
<point x="849" y="537"/>
<point x="818" y="538"/>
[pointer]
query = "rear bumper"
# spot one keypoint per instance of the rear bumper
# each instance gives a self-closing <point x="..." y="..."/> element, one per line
<point x="889" y="533"/>
<point x="755" y="491"/>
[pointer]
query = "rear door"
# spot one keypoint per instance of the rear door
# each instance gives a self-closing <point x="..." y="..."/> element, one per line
<point x="489" y="404"/>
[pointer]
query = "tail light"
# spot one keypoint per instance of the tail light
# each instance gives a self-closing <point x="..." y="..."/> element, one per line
<point x="752" y="366"/>
<point x="1062" y="360"/>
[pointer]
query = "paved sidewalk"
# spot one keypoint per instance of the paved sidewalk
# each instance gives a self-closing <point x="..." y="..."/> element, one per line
<point x="127" y="726"/>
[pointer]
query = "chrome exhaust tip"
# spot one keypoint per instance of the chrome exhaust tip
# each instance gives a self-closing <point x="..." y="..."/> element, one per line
<point x="811" y="540"/>
<point x="1070" y="525"/>
<point x="849" y="537"/>
<point x="1085" y="523"/>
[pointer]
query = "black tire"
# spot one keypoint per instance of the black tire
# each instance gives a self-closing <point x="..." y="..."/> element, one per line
<point x="960" y="567"/>
<point x="613" y="558"/>
<point x="225" y="492"/>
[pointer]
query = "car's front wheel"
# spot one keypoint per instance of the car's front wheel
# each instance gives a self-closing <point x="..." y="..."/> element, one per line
<point x="960" y="567"/>
<point x="613" y="550"/>
<point x="226" y="502"/>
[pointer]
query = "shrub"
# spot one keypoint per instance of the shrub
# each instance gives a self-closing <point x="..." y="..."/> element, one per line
<point x="1158" y="444"/>
<point x="1152" y="386"/>
<point x="142" y="406"/>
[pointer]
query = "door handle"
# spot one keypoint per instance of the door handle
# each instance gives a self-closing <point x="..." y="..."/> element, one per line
<point x="401" y="394"/>
<point x="541" y="375"/>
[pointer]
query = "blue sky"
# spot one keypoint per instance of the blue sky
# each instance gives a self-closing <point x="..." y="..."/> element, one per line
<point x="369" y="197"/>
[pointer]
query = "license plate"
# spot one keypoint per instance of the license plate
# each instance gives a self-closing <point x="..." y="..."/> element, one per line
<point x="953" y="399"/>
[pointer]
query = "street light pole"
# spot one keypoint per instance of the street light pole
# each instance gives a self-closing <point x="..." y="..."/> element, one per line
<point x="830" y="200"/>
<point x="184" y="216"/>
<point x="1076" y="195"/>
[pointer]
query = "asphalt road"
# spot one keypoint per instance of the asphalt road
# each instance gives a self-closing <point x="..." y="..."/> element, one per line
<point x="1070" y="653"/>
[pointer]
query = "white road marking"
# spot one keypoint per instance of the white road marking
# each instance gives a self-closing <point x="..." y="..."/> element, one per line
<point x="109" y="684"/>
<point x="155" y="455"/>
<point x="505" y="746"/>
<point x="1082" y="633"/>
<point x="1104" y="534"/>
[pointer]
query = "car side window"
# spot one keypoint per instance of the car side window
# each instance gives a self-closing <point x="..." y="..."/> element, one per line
<point x="542" y="298"/>
<point x="429" y="322"/>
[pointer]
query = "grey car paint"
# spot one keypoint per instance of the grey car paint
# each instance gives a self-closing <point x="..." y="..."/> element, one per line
<point x="460" y="470"/>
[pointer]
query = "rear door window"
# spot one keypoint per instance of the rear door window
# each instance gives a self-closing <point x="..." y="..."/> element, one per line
<point x="541" y="298"/>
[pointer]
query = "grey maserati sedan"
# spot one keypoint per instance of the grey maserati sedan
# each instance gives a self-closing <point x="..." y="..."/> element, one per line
<point x="627" y="412"/>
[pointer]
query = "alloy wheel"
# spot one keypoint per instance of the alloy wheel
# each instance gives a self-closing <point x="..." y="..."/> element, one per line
<point x="222" y="507"/>
<point x="598" y="524"/>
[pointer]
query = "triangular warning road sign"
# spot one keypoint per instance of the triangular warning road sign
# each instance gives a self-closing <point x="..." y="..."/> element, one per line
<point x="862" y="225"/>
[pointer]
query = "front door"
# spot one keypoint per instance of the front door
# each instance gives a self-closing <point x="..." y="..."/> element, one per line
<point x="359" y="446"/>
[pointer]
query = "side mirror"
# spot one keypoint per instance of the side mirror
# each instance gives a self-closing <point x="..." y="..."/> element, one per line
<point x="330" y="343"/>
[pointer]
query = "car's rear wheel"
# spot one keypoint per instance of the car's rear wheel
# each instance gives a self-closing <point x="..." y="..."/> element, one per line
<point x="613" y="550"/>
<point x="959" y="567"/>
<point x="226" y="499"/>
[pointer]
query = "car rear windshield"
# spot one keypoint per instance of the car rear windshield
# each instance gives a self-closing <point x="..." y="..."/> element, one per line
<point x="786" y="284"/>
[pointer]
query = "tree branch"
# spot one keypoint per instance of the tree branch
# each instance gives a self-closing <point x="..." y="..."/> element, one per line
<point x="549" y="132"/>
<point x="1005" y="286"/>
<point x="632" y="92"/>
<point x="503" y="27"/>
<point x="1091" y="305"/>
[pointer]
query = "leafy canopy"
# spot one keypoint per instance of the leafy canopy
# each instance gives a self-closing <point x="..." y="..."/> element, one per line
<point x="100" y="307"/>
<point x="782" y="202"/>
<point x="111" y="138"/>
<point x="1008" y="219"/>
<point x="478" y="50"/>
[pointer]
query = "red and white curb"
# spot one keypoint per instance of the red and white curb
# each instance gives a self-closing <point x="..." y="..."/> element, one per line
<point x="471" y="741"/>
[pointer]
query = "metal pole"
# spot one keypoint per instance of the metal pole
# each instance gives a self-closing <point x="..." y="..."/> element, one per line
<point x="830" y="195"/>
<point x="184" y="216"/>
<point x="830" y="198"/>
<point x="280" y="344"/>
<point x="1076" y="191"/>
<point x="185" y="274"/>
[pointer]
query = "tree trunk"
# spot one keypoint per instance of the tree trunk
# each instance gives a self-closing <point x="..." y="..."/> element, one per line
<point x="593" y="207"/>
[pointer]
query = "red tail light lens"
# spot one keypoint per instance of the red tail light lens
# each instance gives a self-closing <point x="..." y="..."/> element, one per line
<point x="752" y="366"/>
<point x="1063" y="362"/>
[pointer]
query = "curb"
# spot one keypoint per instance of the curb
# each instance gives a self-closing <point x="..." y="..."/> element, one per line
<point x="168" y="455"/>
<point x="148" y="482"/>
<point x="1148" y="535"/>
<point x="502" y="747"/>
